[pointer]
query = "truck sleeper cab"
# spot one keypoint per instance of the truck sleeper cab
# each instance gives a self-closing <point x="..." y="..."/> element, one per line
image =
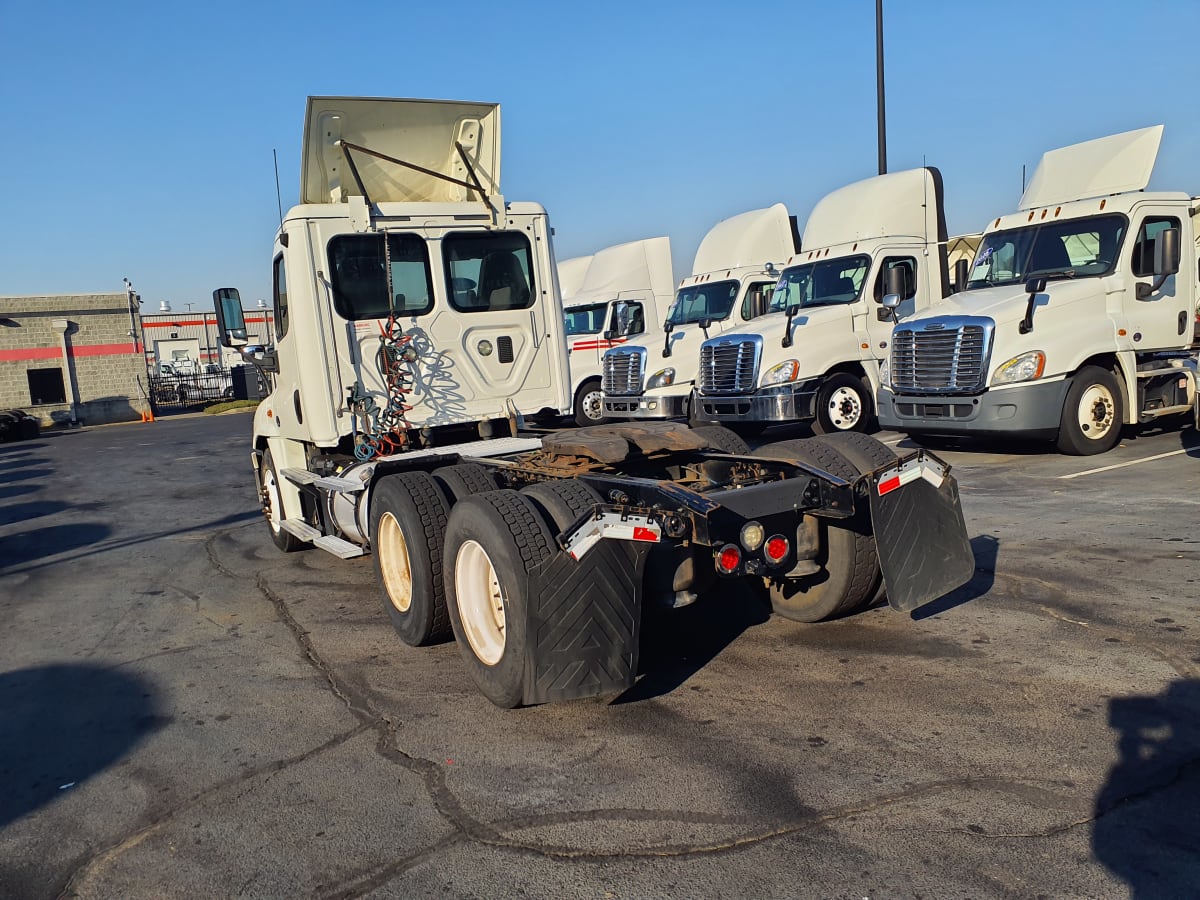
<point x="1078" y="315"/>
<point x="733" y="276"/>
<point x="816" y="354"/>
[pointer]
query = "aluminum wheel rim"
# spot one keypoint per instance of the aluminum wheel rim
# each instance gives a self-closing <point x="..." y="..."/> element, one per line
<point x="1096" y="412"/>
<point x="394" y="564"/>
<point x="593" y="402"/>
<point x="845" y="408"/>
<point x="480" y="602"/>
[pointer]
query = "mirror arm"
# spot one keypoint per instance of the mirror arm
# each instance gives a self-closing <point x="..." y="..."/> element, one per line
<point x="667" y="342"/>
<point x="787" y="327"/>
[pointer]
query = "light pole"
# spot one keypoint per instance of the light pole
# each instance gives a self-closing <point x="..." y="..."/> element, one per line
<point x="879" y="86"/>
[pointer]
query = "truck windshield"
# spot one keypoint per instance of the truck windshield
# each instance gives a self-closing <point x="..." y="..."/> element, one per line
<point x="1074" y="248"/>
<point x="586" y="319"/>
<point x="826" y="283"/>
<point x="712" y="300"/>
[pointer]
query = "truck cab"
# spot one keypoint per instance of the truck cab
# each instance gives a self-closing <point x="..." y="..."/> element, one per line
<point x="732" y="278"/>
<point x="1078" y="315"/>
<point x="815" y="354"/>
<point x="623" y="293"/>
<point x="413" y="304"/>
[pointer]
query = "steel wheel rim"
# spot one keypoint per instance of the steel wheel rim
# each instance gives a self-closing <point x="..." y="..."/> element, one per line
<point x="593" y="403"/>
<point x="1096" y="413"/>
<point x="395" y="566"/>
<point x="480" y="602"/>
<point x="844" y="408"/>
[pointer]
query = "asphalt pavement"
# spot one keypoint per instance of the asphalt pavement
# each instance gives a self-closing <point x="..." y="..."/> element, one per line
<point x="188" y="712"/>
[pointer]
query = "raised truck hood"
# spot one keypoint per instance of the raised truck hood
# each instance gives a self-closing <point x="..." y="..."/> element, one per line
<point x="899" y="204"/>
<point x="420" y="132"/>
<point x="1107" y="165"/>
<point x="747" y="239"/>
<point x="635" y="266"/>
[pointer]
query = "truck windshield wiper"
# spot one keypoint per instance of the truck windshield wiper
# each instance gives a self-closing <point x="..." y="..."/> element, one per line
<point x="1056" y="273"/>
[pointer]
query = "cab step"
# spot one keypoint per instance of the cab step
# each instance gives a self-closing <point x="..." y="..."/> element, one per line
<point x="340" y="548"/>
<point x="300" y="529"/>
<point x="299" y="476"/>
<point x="336" y="485"/>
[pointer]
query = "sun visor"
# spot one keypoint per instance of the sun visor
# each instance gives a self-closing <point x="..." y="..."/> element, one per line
<point x="422" y="133"/>
<point x="748" y="239"/>
<point x="1108" y="165"/>
<point x="899" y="204"/>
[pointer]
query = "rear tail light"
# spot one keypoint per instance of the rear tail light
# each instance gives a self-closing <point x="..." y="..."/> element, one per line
<point x="776" y="549"/>
<point x="729" y="558"/>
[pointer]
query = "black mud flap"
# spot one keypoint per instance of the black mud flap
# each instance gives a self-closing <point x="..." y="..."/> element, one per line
<point x="919" y="530"/>
<point x="585" y="619"/>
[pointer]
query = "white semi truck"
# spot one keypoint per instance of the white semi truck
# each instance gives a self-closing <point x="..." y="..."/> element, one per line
<point x="417" y="319"/>
<point x="1079" y="314"/>
<point x="624" y="292"/>
<point x="732" y="277"/>
<point x="815" y="355"/>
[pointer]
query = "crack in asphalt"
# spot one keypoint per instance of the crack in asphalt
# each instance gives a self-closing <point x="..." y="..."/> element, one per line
<point x="498" y="834"/>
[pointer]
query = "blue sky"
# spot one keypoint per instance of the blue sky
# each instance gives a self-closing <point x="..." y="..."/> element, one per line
<point x="138" y="136"/>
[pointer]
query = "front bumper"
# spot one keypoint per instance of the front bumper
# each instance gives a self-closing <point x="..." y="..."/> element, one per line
<point x="787" y="404"/>
<point x="1028" y="410"/>
<point x="642" y="406"/>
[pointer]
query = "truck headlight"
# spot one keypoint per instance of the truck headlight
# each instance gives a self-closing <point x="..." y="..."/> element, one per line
<point x="661" y="378"/>
<point x="1025" y="367"/>
<point x="786" y="371"/>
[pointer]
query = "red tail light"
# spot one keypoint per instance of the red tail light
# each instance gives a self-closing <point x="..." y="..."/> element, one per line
<point x="776" y="549"/>
<point x="729" y="558"/>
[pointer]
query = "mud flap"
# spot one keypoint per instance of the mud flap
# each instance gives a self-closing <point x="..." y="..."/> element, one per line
<point x="920" y="532"/>
<point x="585" y="620"/>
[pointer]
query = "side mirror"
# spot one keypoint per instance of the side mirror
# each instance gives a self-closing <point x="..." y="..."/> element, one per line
<point x="891" y="300"/>
<point x="1035" y="285"/>
<point x="705" y="323"/>
<point x="893" y="284"/>
<point x="610" y="334"/>
<point x="231" y="321"/>
<point x="962" y="272"/>
<point x="668" y="326"/>
<point x="1166" y="252"/>
<point x="621" y="317"/>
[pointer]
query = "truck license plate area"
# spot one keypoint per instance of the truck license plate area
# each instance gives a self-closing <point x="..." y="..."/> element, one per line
<point x="920" y="533"/>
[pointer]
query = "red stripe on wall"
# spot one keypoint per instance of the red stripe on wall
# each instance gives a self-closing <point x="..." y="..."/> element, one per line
<point x="180" y="323"/>
<point x="27" y="353"/>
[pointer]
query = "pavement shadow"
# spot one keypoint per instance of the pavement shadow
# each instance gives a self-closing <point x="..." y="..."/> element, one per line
<point x="38" y="543"/>
<point x="16" y="474"/>
<point x="1146" y="829"/>
<point x="62" y="725"/>
<point x="21" y="512"/>
<point x="986" y="548"/>
<point x="675" y="644"/>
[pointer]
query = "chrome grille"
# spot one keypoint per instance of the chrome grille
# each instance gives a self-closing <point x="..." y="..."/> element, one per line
<point x="941" y="357"/>
<point x="728" y="366"/>
<point x="623" y="371"/>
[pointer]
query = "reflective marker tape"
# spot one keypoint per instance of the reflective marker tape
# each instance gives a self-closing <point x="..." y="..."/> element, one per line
<point x="898" y="480"/>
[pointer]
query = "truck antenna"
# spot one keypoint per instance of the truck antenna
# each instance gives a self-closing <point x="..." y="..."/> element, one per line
<point x="278" y="198"/>
<point x="1022" y="178"/>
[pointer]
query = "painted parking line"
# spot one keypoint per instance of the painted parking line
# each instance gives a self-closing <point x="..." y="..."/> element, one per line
<point x="186" y="458"/>
<point x="1132" y="462"/>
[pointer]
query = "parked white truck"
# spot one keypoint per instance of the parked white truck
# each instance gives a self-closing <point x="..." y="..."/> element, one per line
<point x="732" y="277"/>
<point x="417" y="318"/>
<point x="815" y="355"/>
<point x="625" y="291"/>
<point x="1079" y="315"/>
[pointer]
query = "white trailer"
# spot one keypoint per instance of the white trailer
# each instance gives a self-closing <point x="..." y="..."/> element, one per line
<point x="625" y="292"/>
<point x="815" y="355"/>
<point x="732" y="277"/>
<point x="417" y="320"/>
<point x="1078" y="317"/>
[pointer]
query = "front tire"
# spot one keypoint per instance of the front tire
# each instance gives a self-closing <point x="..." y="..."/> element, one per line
<point x="272" y="504"/>
<point x="843" y="404"/>
<point x="589" y="404"/>
<point x="848" y="574"/>
<point x="494" y="541"/>
<point x="1092" y="413"/>
<point x="408" y="526"/>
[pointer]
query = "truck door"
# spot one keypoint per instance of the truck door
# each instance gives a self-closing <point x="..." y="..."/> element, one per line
<point x="879" y="323"/>
<point x="1164" y="318"/>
